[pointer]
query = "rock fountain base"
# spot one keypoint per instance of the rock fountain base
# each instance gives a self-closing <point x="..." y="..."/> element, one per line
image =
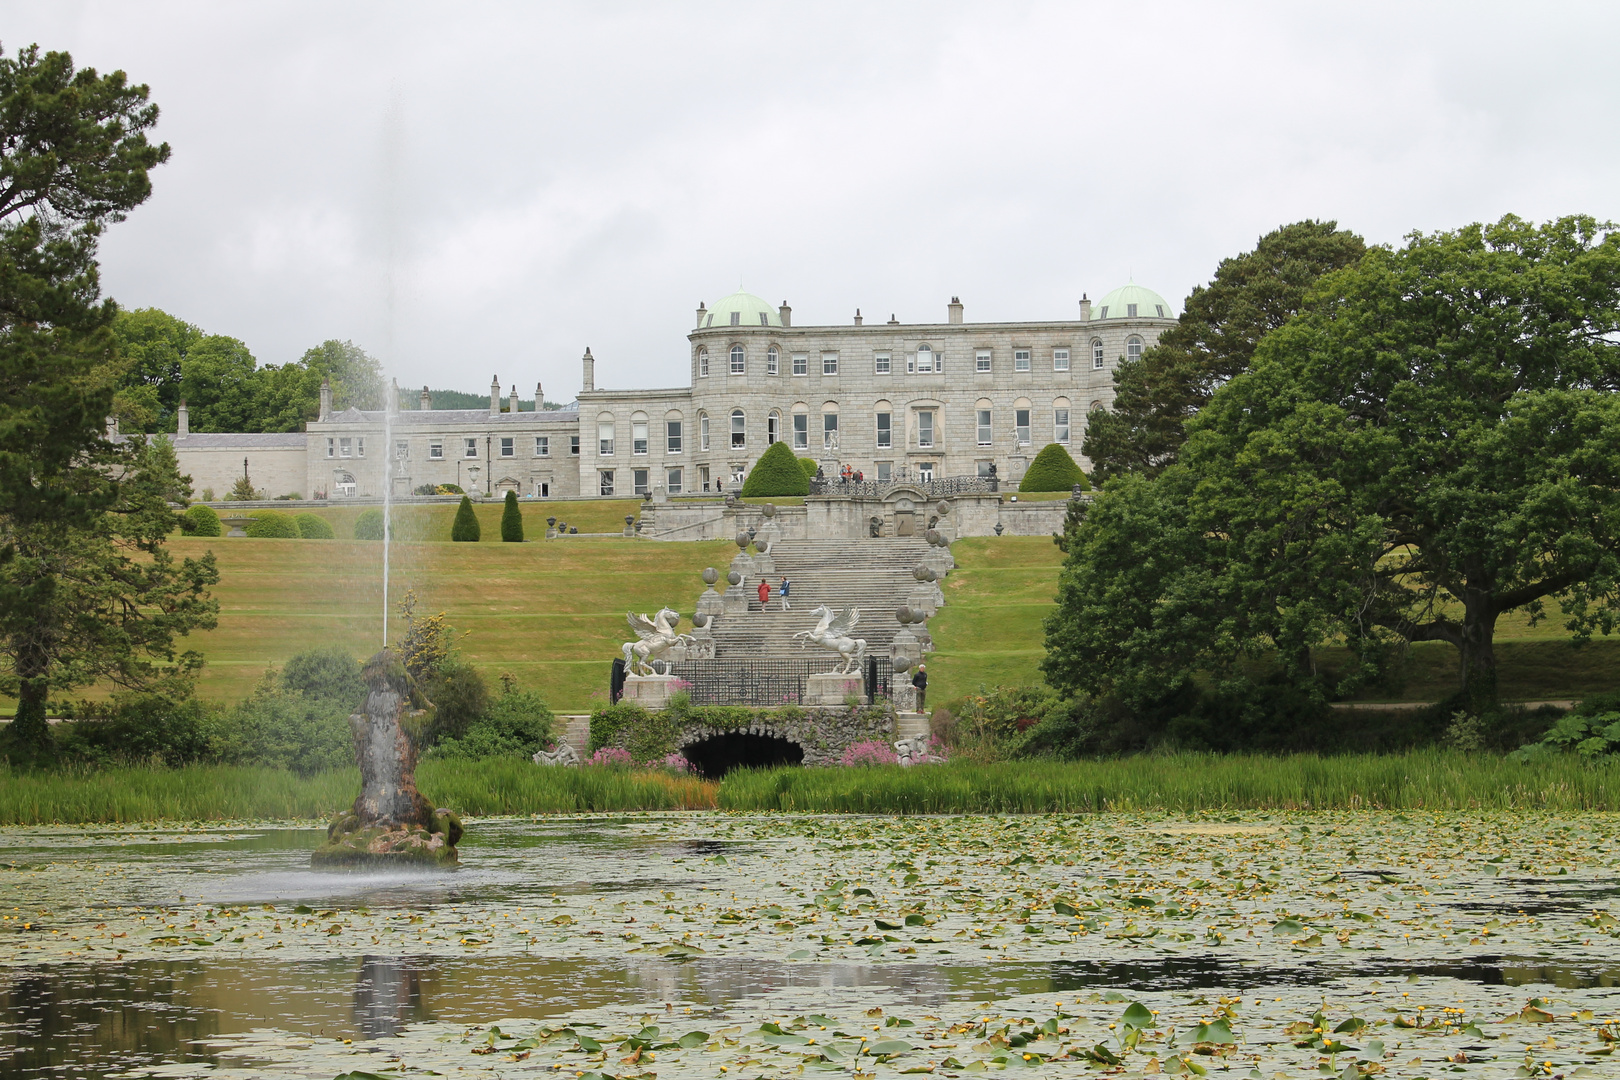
<point x="351" y="843"/>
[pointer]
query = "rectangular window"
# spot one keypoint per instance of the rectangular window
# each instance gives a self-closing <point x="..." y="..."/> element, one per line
<point x="435" y="449"/>
<point x="925" y="361"/>
<point x="604" y="439"/>
<point x="1020" y="359"/>
<point x="359" y="446"/>
<point x="737" y="361"/>
<point x="925" y="429"/>
<point x="981" y="360"/>
<point x="1060" y="424"/>
<point x="506" y="446"/>
<point x="703" y="434"/>
<point x="573" y="446"/>
<point x="470" y="448"/>
<point x="739" y="431"/>
<point x="604" y="485"/>
<point x="1060" y="359"/>
<point x="772" y="361"/>
<point x="542" y="446"/>
<point x="672" y="436"/>
<point x="1021" y="422"/>
<point x="345" y="448"/>
<point x="885" y="430"/>
<point x="638" y="436"/>
<point x="885" y="470"/>
<point x="801" y="431"/>
<point x="771" y="432"/>
<point x="801" y="363"/>
<point x="331" y="448"/>
<point x="703" y="364"/>
<point x="672" y="481"/>
<point x="639" y="478"/>
<point x="881" y="363"/>
<point x="925" y="471"/>
<point x="829" y="363"/>
<point x="984" y="427"/>
<point x="703" y="476"/>
<point x="402" y="450"/>
<point x="829" y="431"/>
<point x="1097" y="355"/>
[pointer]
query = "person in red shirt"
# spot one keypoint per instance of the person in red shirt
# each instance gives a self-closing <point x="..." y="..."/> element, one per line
<point x="764" y="593"/>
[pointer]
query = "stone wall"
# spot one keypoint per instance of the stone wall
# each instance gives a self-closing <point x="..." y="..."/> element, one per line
<point x="823" y="734"/>
<point x="836" y="516"/>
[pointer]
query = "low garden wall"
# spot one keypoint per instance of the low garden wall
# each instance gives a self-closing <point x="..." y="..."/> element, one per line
<point x="823" y="734"/>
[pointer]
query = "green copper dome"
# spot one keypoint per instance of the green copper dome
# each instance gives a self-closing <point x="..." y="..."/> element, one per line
<point x="748" y="309"/>
<point x="1149" y="304"/>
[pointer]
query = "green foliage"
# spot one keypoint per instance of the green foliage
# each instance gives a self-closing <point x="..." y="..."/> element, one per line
<point x="272" y="524"/>
<point x="1250" y="295"/>
<point x="1424" y="448"/>
<point x="286" y="729"/>
<point x="465" y="528"/>
<point x="460" y="698"/>
<point x="243" y="491"/>
<point x="326" y="675"/>
<point x="461" y="399"/>
<point x="511" y="520"/>
<point x="137" y="727"/>
<point x="1590" y="731"/>
<point x="649" y="735"/>
<point x="777" y="472"/>
<point x="1053" y="470"/>
<point x="449" y="489"/>
<point x="810" y="467"/>
<point x="314" y="527"/>
<point x="369" y="525"/>
<point x="200" y="520"/>
<point x="517" y="724"/>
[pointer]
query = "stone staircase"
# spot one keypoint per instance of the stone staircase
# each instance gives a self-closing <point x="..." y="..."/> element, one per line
<point x="873" y="574"/>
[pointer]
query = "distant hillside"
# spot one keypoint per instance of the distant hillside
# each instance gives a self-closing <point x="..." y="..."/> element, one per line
<point x="455" y="399"/>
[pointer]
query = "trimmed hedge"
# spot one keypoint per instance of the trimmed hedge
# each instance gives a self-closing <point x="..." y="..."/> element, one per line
<point x="200" y="520"/>
<point x="465" y="529"/>
<point x="511" y="520"/>
<point x="1053" y="470"/>
<point x="272" y="525"/>
<point x="314" y="527"/>
<point x="810" y="466"/>
<point x="369" y="525"/>
<point x="777" y="472"/>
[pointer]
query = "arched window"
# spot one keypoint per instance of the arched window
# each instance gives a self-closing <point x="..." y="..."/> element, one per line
<point x="1096" y="354"/>
<point x="703" y="431"/>
<point x="773" y="360"/>
<point x="739" y="430"/>
<point x="736" y="359"/>
<point x="674" y="433"/>
<point x="703" y="362"/>
<point x="1095" y="405"/>
<point x="984" y="412"/>
<point x="1060" y="420"/>
<point x="1133" y="348"/>
<point x="829" y="426"/>
<point x="773" y="428"/>
<point x="801" y="426"/>
<point x="925" y="360"/>
<point x="638" y="433"/>
<point x="1021" y="425"/>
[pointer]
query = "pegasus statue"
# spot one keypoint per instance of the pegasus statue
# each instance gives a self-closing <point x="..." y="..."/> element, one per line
<point x="832" y="632"/>
<point x="654" y="637"/>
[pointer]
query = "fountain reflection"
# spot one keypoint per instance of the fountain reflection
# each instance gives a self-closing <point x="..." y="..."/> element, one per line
<point x="387" y="995"/>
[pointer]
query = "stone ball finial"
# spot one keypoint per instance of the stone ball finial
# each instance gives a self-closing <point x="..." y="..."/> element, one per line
<point x="769" y="510"/>
<point x="902" y="664"/>
<point x="734" y="578"/>
<point x="742" y="539"/>
<point x="710" y="575"/>
<point x="943" y="508"/>
<point x="921" y="573"/>
<point x="700" y="620"/>
<point x="934" y="537"/>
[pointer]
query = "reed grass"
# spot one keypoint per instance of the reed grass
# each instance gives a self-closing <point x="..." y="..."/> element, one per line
<point x="1423" y="779"/>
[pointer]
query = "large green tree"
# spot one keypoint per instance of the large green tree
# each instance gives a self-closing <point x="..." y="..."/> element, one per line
<point x="1250" y="295"/>
<point x="1432" y="443"/>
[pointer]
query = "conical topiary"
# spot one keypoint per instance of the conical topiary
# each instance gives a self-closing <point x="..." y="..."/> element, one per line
<point x="465" y="529"/>
<point x="776" y="473"/>
<point x="512" y="520"/>
<point x="1053" y="470"/>
<point x="810" y="467"/>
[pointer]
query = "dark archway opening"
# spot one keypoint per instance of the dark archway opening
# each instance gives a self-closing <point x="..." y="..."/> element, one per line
<point x="719" y="754"/>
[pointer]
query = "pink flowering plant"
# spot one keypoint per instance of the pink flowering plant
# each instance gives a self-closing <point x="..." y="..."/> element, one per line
<point x="870" y="753"/>
<point x="612" y="757"/>
<point x="675" y="763"/>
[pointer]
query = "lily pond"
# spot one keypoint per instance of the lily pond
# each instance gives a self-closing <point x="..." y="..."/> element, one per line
<point x="1264" y="944"/>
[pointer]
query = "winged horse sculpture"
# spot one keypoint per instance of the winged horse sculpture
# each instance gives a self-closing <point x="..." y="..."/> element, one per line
<point x="654" y="636"/>
<point x="832" y="632"/>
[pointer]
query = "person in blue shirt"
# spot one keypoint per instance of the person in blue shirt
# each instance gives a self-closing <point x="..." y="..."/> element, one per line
<point x="782" y="591"/>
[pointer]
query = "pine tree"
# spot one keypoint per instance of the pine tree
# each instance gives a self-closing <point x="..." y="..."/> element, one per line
<point x="512" y="520"/>
<point x="465" y="529"/>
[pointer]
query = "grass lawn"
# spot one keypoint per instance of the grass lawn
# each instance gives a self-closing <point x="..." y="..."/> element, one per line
<point x="431" y="522"/>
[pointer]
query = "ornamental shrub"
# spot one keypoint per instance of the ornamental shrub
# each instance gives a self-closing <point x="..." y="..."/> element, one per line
<point x="1053" y="470"/>
<point x="369" y="525"/>
<point x="448" y="489"/>
<point x="516" y="725"/>
<point x="314" y="527"/>
<point x="809" y="465"/>
<point x="611" y="757"/>
<point x="272" y="525"/>
<point x="200" y="520"/>
<point x="868" y="753"/>
<point x="465" y="529"/>
<point x="511" y="520"/>
<point x="776" y="473"/>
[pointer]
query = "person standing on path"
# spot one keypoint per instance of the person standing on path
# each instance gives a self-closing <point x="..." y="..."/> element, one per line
<point x="783" y="593"/>
<point x="764" y="593"/>
<point x="920" y="681"/>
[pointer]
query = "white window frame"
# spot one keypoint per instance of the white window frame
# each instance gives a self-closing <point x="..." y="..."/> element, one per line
<point x="739" y="361"/>
<point x="573" y="446"/>
<point x="359" y="446"/>
<point x="773" y="360"/>
<point x="801" y="363"/>
<point x="882" y="364"/>
<point x="981" y="361"/>
<point x="673" y="481"/>
<point x="885" y="430"/>
<point x="986" y="427"/>
<point x="885" y="471"/>
<point x="331" y="447"/>
<point x="703" y="432"/>
<point x="703" y="363"/>
<point x="675" y="436"/>
<point x="1021" y="359"/>
<point x="1133" y="348"/>
<point x="1098" y="355"/>
<point x="508" y="446"/>
<point x="1060" y="425"/>
<point x="1060" y="359"/>
<point x="829" y="431"/>
<point x="542" y="446"/>
<point x="1021" y="426"/>
<point x="640" y="481"/>
<point x="925" y="471"/>
<point x="925" y="360"/>
<point x="801" y="431"/>
<point x="926" y="435"/>
<point x="604" y="443"/>
<point x="739" y="429"/>
<point x="638" y="438"/>
<point x="345" y="447"/>
<point x="436" y="450"/>
<point x="469" y="448"/>
<point x="773" y="427"/>
<point x="829" y="363"/>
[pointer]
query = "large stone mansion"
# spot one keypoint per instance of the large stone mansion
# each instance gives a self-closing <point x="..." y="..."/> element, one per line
<point x="893" y="400"/>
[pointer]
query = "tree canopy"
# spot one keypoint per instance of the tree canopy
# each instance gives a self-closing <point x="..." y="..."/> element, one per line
<point x="1250" y="295"/>
<point x="777" y="472"/>
<point x="1433" y="442"/>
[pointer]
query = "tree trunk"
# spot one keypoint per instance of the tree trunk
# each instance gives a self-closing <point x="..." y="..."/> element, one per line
<point x="1478" y="654"/>
<point x="29" y="729"/>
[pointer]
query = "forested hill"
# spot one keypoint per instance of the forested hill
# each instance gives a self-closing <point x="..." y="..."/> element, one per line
<point x="456" y="399"/>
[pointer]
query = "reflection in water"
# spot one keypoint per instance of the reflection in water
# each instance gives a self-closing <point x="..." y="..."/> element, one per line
<point x="387" y="995"/>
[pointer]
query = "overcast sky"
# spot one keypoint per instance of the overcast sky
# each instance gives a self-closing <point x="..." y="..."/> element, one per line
<point x="472" y="189"/>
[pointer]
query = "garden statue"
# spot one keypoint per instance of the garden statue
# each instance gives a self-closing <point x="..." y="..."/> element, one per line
<point x="390" y="822"/>
<point x="832" y="632"/>
<point x="656" y="636"/>
<point x="564" y="754"/>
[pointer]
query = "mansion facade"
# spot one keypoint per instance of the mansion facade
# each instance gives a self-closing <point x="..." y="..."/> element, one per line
<point x="892" y="400"/>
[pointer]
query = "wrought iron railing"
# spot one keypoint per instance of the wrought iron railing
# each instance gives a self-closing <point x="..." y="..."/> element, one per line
<point x="945" y="486"/>
<point x="761" y="682"/>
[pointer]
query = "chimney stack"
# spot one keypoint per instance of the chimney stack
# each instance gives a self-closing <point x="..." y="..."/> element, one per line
<point x="701" y="312"/>
<point x="954" y="311"/>
<point x="588" y="363"/>
<point x="1085" y="308"/>
<point x="494" y="396"/>
<point x="427" y="400"/>
<point x="326" y="399"/>
<point x="182" y="416"/>
<point x="892" y="320"/>
<point x="785" y="313"/>
<point x="512" y="400"/>
<point x="539" y="396"/>
<point x="857" y="316"/>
